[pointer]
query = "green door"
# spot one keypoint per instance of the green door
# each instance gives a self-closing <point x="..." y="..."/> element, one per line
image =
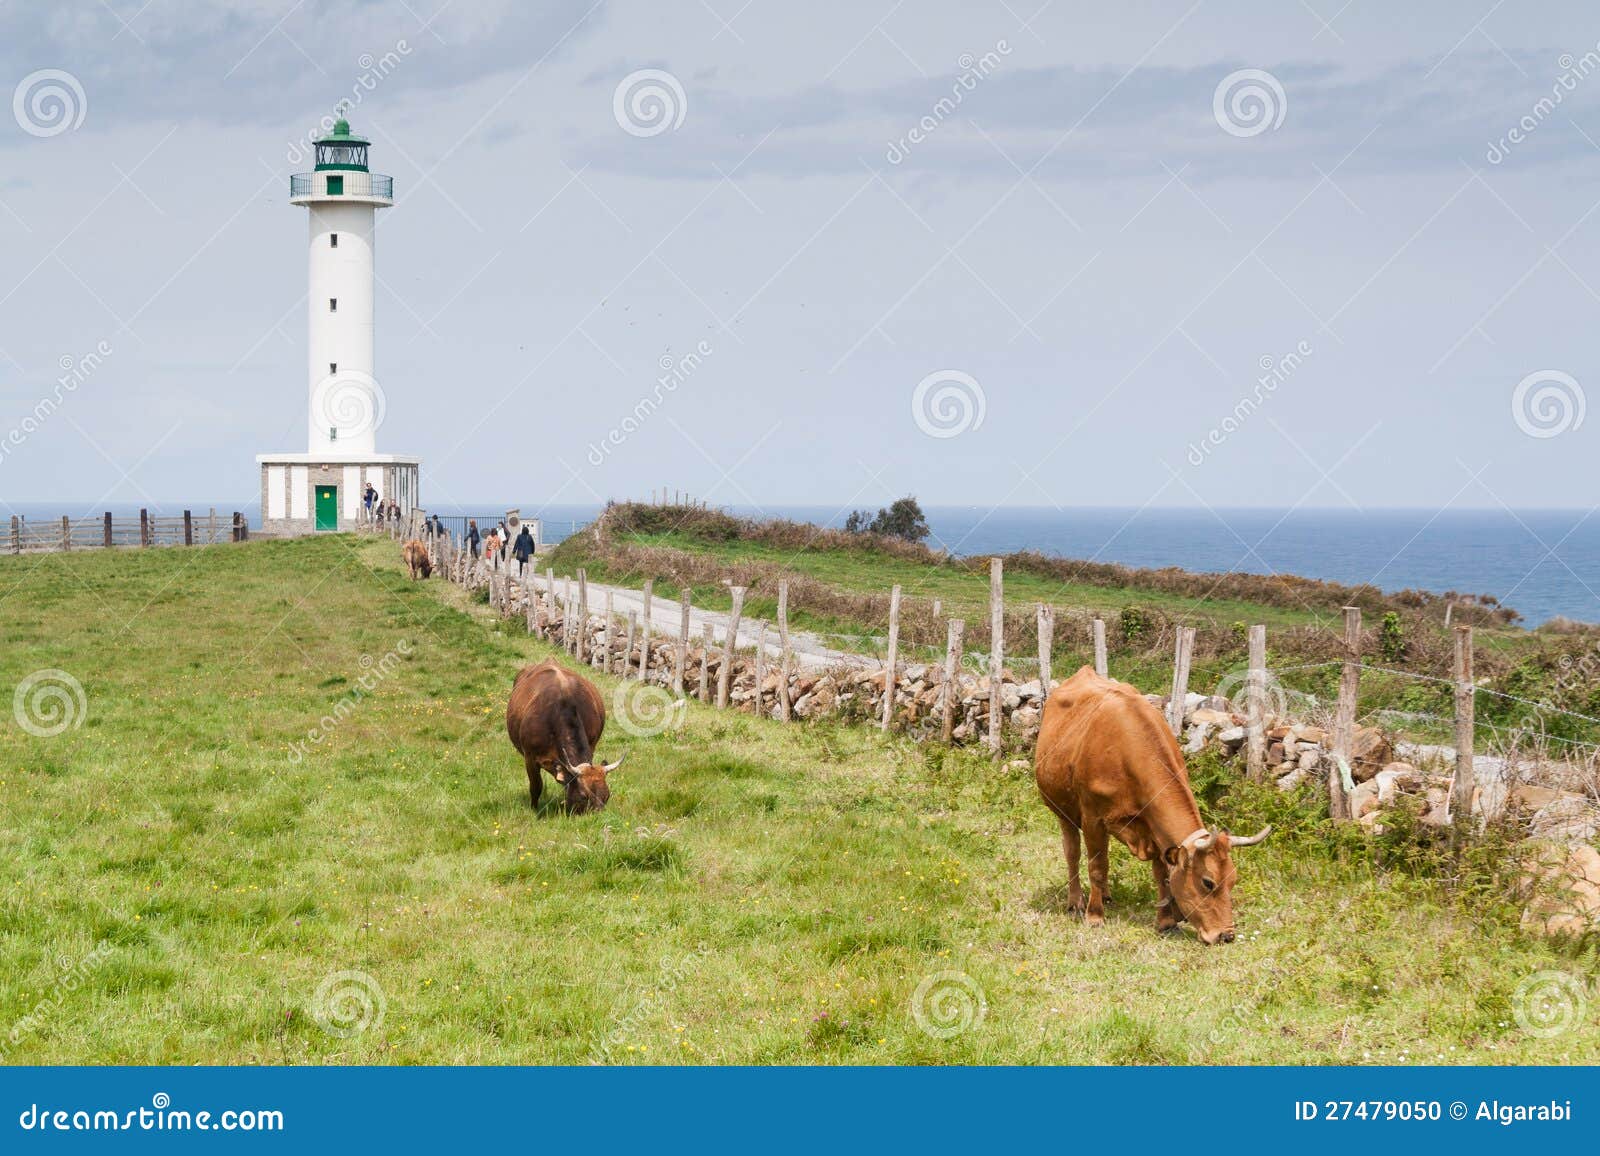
<point x="336" y="186"/>
<point x="327" y="507"/>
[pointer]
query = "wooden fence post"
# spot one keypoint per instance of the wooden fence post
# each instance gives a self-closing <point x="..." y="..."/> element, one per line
<point x="106" y="535"/>
<point x="761" y="665"/>
<point x="608" y="644"/>
<point x="997" y="630"/>
<point x="583" y="615"/>
<point x="730" y="647"/>
<point x="188" y="528"/>
<point x="1344" y="722"/>
<point x="1256" y="706"/>
<point x="550" y="599"/>
<point x="952" y="663"/>
<point x="16" y="534"/>
<point x="680" y="666"/>
<point x="705" y="664"/>
<point x="785" y="706"/>
<point x="627" y="651"/>
<point x="1047" y="643"/>
<point x="1099" y="629"/>
<point x="891" y="667"/>
<point x="644" y="631"/>
<point x="567" y="624"/>
<point x="144" y="527"/>
<point x="211" y="527"/>
<point x="66" y="532"/>
<point x="1182" y="656"/>
<point x="1466" y="777"/>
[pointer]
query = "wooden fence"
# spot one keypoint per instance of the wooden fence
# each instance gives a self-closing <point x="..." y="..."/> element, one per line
<point x="107" y="531"/>
<point x="553" y="604"/>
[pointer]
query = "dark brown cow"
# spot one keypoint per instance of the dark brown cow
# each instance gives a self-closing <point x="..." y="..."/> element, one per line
<point x="416" y="559"/>
<point x="1107" y="764"/>
<point x="554" y="718"/>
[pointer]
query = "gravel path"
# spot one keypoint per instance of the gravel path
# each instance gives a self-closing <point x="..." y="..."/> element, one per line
<point x="666" y="614"/>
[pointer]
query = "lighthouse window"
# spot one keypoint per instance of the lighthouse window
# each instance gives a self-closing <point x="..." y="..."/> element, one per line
<point x="333" y="433"/>
<point x="333" y="367"/>
<point x="333" y="305"/>
<point x="333" y="240"/>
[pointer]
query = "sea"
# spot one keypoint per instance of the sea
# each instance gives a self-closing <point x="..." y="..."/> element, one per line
<point x="1543" y="563"/>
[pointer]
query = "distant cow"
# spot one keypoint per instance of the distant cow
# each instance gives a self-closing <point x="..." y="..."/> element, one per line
<point x="1107" y="764"/>
<point x="416" y="558"/>
<point x="555" y="718"/>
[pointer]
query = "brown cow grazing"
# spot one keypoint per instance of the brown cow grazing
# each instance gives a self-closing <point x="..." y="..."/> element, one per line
<point x="554" y="718"/>
<point x="1107" y="764"/>
<point x="416" y="558"/>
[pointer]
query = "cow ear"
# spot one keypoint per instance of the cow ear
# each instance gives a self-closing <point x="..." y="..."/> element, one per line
<point x="1171" y="856"/>
<point x="561" y="775"/>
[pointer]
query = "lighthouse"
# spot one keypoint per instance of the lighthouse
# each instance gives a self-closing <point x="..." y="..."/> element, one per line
<point x="322" y="489"/>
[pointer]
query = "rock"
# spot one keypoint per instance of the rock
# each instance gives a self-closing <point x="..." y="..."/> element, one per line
<point x="802" y="706"/>
<point x="1306" y="733"/>
<point x="1033" y="689"/>
<point x="1395" y="779"/>
<point x="1025" y="718"/>
<point x="1437" y="813"/>
<point x="1564" y="883"/>
<point x="1306" y="758"/>
<point x="1364" y="799"/>
<point x="1198" y="735"/>
<point x="1292" y="780"/>
<point x="1216" y="718"/>
<point x="1232" y="738"/>
<point x="1568" y="819"/>
<point x="1370" y="752"/>
<point x="1274" y="754"/>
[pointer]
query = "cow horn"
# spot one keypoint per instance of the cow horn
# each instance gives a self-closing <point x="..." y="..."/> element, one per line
<point x="1253" y="839"/>
<point x="1201" y="839"/>
<point x="609" y="767"/>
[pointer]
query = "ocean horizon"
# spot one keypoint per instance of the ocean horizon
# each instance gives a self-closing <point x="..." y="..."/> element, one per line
<point x="1544" y="563"/>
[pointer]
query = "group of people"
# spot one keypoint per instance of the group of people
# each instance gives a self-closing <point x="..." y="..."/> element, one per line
<point x="379" y="510"/>
<point x="498" y="541"/>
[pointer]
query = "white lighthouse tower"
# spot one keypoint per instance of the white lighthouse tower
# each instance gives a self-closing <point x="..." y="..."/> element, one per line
<point x="322" y="489"/>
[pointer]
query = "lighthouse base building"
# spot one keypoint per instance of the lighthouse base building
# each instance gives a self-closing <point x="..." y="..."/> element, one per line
<point x="324" y="488"/>
<point x="307" y="493"/>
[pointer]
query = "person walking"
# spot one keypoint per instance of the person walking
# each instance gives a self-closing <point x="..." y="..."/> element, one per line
<point x="368" y="497"/>
<point x="472" y="538"/>
<point x="504" y="536"/>
<point x="523" y="550"/>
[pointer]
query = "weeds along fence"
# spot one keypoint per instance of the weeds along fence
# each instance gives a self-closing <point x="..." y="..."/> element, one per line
<point x="108" y="531"/>
<point x="720" y="664"/>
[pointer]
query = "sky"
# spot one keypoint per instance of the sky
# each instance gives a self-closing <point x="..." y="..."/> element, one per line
<point x="988" y="253"/>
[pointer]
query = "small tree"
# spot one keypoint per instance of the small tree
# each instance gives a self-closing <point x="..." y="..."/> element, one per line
<point x="903" y="519"/>
<point x="1392" y="638"/>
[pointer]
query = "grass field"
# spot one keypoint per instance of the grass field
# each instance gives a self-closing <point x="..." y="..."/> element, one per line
<point x="288" y="773"/>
